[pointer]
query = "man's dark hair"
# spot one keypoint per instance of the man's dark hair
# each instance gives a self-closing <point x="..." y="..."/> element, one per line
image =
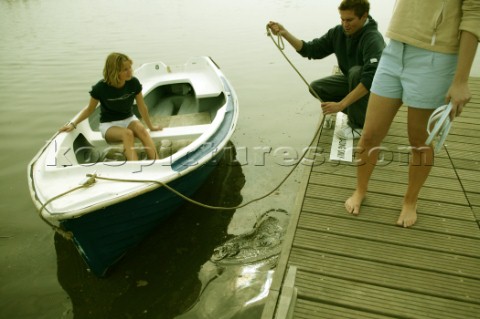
<point x="360" y="7"/>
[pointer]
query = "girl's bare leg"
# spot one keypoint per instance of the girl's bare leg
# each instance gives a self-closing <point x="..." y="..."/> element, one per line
<point x="141" y="132"/>
<point x="380" y="114"/>
<point x="117" y="134"/>
<point x="420" y="165"/>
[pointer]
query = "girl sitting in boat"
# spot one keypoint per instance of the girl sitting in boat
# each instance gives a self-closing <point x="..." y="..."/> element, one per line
<point x="116" y="93"/>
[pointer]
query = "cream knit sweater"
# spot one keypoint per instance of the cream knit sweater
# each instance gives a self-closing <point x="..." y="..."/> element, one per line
<point x="434" y="24"/>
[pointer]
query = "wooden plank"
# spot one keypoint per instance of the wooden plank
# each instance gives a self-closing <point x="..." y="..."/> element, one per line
<point x="470" y="110"/>
<point x="306" y="309"/>
<point x="457" y="227"/>
<point x="474" y="199"/>
<point x="465" y="154"/>
<point x="362" y="229"/>
<point x="471" y="186"/>
<point x="466" y="164"/>
<point x="382" y="252"/>
<point x="400" y="177"/>
<point x="390" y="164"/>
<point x="476" y="213"/>
<point x="469" y="175"/>
<point x="441" y="209"/>
<point x="465" y="120"/>
<point x="457" y="132"/>
<point x="386" y="275"/>
<point x="384" y="169"/>
<point x="380" y="300"/>
<point x="391" y="189"/>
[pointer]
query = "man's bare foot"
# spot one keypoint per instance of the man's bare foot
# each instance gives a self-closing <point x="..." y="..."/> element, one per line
<point x="353" y="203"/>
<point x="408" y="215"/>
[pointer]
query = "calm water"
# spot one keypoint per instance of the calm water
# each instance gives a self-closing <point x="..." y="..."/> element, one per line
<point x="53" y="51"/>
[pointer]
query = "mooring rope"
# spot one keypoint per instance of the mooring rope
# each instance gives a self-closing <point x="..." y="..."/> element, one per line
<point x="65" y="234"/>
<point x="93" y="177"/>
<point x="281" y="46"/>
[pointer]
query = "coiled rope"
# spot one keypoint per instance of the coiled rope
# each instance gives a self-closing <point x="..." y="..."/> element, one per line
<point x="93" y="177"/>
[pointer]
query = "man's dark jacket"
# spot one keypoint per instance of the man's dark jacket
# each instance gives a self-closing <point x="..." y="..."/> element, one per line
<point x="363" y="48"/>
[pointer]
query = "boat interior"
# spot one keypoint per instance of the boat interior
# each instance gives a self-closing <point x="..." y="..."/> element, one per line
<point x="183" y="115"/>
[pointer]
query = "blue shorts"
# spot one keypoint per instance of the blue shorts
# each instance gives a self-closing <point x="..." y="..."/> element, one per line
<point x="122" y="123"/>
<point x="420" y="78"/>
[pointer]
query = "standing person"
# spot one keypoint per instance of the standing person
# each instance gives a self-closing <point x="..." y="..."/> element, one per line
<point x="425" y="65"/>
<point x="116" y="93"/>
<point x="358" y="45"/>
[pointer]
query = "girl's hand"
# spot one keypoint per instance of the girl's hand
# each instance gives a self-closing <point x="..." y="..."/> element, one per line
<point x="156" y="128"/>
<point x="459" y="95"/>
<point x="70" y="126"/>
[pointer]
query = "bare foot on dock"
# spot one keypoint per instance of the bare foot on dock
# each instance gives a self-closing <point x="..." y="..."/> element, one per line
<point x="353" y="203"/>
<point x="408" y="216"/>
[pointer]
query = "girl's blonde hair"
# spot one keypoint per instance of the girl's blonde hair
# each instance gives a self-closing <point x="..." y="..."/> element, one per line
<point x="113" y="66"/>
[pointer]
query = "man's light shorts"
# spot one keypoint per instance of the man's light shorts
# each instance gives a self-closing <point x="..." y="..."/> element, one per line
<point x="419" y="77"/>
<point x="122" y="123"/>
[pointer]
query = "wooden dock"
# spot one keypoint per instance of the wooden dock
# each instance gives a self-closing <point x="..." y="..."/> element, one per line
<point x="335" y="265"/>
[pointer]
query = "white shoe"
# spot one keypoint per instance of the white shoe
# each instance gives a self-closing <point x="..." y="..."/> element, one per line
<point x="348" y="132"/>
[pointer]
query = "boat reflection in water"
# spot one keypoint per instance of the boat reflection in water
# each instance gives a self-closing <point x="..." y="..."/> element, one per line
<point x="158" y="279"/>
<point x="237" y="278"/>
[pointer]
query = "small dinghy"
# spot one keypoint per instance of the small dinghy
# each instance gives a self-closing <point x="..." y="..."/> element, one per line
<point x="85" y="189"/>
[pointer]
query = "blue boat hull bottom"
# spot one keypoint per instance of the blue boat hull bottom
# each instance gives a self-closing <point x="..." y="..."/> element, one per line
<point x="105" y="236"/>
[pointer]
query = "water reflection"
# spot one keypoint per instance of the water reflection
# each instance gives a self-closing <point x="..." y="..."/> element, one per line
<point x="237" y="278"/>
<point x="160" y="278"/>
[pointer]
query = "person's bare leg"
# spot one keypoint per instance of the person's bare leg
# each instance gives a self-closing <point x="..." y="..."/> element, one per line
<point x="117" y="134"/>
<point x="141" y="132"/>
<point x="420" y="165"/>
<point x="380" y="114"/>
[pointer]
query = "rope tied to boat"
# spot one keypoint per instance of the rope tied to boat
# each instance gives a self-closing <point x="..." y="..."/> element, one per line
<point x="65" y="234"/>
<point x="188" y="199"/>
